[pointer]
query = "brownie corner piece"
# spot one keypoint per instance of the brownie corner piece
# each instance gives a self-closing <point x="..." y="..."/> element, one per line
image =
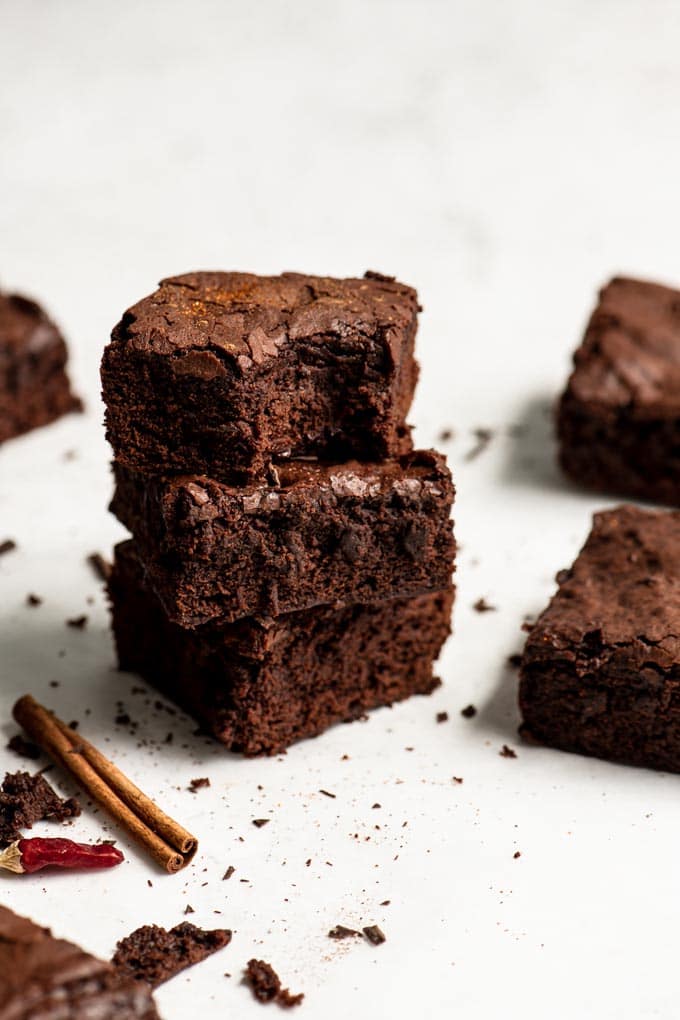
<point x="34" y="386"/>
<point x="260" y="685"/>
<point x="618" y="421"/>
<point x="280" y="366"/>
<point x="600" y="669"/>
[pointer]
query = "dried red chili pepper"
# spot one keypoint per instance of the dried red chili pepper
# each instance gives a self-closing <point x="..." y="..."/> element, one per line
<point x="28" y="855"/>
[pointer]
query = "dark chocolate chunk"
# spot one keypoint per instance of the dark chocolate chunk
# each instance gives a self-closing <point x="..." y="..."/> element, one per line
<point x="374" y="935"/>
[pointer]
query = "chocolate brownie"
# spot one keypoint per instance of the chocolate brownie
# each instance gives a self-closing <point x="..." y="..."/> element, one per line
<point x="155" y="955"/>
<point x="51" y="979"/>
<point x="260" y="684"/>
<point x="342" y="534"/>
<point x="221" y="373"/>
<point x="25" y="799"/>
<point x="34" y="387"/>
<point x="600" y="670"/>
<point x="619" y="419"/>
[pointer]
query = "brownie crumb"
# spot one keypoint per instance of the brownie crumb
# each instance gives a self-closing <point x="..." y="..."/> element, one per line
<point x="23" y="747"/>
<point x="385" y="903"/>
<point x="482" y="606"/>
<point x="259" y="822"/>
<point x="442" y="717"/>
<point x="25" y="799"/>
<point x="189" y="909"/>
<point x="77" y="622"/>
<point x="446" y="435"/>
<point x="266" y="985"/>
<point x="483" y="437"/>
<point x="228" y="873"/>
<point x="198" y="784"/>
<point x="154" y="955"/>
<point x="469" y="712"/>
<point x="507" y="752"/>
<point x="457" y="779"/>
<point x="6" y="546"/>
<point x="516" y="854"/>
<point x="100" y="566"/>
<point x="33" y="600"/>
<point x="515" y="660"/>
<point x="374" y="935"/>
<point x="341" y="932"/>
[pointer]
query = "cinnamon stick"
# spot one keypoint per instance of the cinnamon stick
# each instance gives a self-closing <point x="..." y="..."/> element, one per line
<point x="168" y="843"/>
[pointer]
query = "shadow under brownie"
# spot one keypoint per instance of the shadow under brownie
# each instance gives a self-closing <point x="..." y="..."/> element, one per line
<point x="600" y="672"/>
<point x="259" y="685"/>
<point x="337" y="534"/>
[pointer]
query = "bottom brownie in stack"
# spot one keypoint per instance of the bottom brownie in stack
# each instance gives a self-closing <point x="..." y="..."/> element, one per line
<point x="260" y="684"/>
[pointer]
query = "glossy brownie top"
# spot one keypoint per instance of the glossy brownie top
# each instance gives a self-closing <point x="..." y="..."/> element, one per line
<point x="630" y="355"/>
<point x="622" y="593"/>
<point x="251" y="318"/>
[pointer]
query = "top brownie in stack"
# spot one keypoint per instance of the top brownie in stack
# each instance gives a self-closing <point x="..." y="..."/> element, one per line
<point x="222" y="374"/>
<point x="619" y="418"/>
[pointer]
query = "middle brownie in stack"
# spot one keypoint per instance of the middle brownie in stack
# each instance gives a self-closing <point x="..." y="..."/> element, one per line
<point x="302" y="574"/>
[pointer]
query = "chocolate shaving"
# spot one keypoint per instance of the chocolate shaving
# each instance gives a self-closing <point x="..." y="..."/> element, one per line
<point x="374" y="935"/>
<point x="341" y="932"/>
<point x="228" y="873"/>
<point x="198" y="784"/>
<point x="259" y="822"/>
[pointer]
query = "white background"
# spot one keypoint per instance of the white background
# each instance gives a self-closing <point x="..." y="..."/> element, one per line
<point x="505" y="158"/>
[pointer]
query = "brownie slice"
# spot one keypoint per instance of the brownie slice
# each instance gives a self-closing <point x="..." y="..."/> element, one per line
<point x="221" y="373"/>
<point x="34" y="387"/>
<point x="259" y="685"/>
<point x="322" y="534"/>
<point x="51" y="979"/>
<point x="154" y="954"/>
<point x="619" y="419"/>
<point x="601" y="668"/>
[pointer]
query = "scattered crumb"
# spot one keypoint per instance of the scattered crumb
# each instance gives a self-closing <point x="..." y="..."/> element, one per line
<point x="6" y="546"/>
<point x="516" y="854"/>
<point x="100" y="566"/>
<point x="374" y="935"/>
<point x="259" y="822"/>
<point x="154" y="955"/>
<point x="189" y="909"/>
<point x="507" y="752"/>
<point x="376" y="805"/>
<point x="77" y="622"/>
<point x="515" y="660"/>
<point x="327" y="794"/>
<point x="198" y="784"/>
<point x="228" y="873"/>
<point x="33" y="600"/>
<point x="340" y="932"/>
<point x="469" y="712"/>
<point x="442" y="717"/>
<point x="23" y="747"/>
<point x="483" y="437"/>
<point x="385" y="903"/>
<point x="266" y="985"/>
<point x="482" y="606"/>
<point x="457" y="779"/>
<point x="446" y="435"/>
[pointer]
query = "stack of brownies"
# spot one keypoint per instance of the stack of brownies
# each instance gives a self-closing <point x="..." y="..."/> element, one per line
<point x="292" y="554"/>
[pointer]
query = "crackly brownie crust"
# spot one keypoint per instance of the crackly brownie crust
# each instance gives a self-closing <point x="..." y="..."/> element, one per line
<point x="619" y="418"/>
<point x="323" y="534"/>
<point x="34" y="387"/>
<point x="221" y="373"/>
<point x="260" y="685"/>
<point x="49" y="978"/>
<point x="600" y="670"/>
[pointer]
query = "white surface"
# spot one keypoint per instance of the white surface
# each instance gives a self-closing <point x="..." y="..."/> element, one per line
<point x="506" y="159"/>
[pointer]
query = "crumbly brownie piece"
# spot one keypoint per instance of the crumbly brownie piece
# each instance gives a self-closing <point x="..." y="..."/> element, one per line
<point x="342" y="534"/>
<point x="154" y="955"/>
<point x="619" y="418"/>
<point x="34" y="387"/>
<point x="25" y="799"/>
<point x="600" y="670"/>
<point x="259" y="685"/>
<point x="221" y="373"/>
<point x="51" y="979"/>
